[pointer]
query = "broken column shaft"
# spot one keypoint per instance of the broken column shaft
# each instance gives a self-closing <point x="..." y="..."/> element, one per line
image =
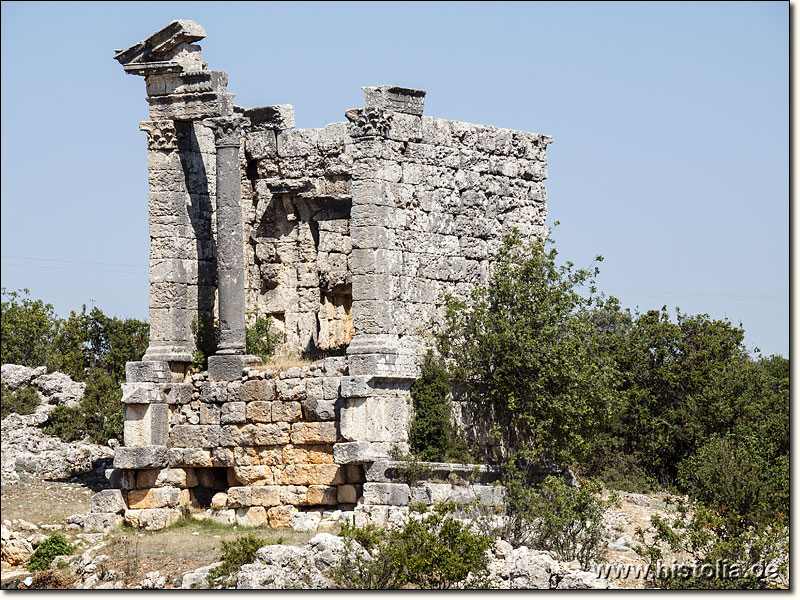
<point x="230" y="252"/>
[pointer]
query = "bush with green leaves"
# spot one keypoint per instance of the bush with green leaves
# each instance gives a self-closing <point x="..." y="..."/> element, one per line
<point x="98" y="416"/>
<point x="523" y="349"/>
<point x="554" y="516"/>
<point x="47" y="550"/>
<point x="22" y="401"/>
<point x="234" y="554"/>
<point x="260" y="338"/>
<point x="433" y="435"/>
<point x="753" y="557"/>
<point x="433" y="551"/>
<point x="27" y="328"/>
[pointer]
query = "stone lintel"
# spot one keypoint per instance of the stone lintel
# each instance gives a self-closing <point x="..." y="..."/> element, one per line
<point x="140" y="457"/>
<point x="277" y="117"/>
<point x="152" y="55"/>
<point x="395" y="98"/>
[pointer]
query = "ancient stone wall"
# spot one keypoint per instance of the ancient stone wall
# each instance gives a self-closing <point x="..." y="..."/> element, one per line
<point x="349" y="236"/>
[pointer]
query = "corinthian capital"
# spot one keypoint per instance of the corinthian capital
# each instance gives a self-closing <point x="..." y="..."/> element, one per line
<point x="227" y="130"/>
<point x="161" y="135"/>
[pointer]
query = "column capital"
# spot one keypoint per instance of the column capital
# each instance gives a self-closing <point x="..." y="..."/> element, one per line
<point x="227" y="130"/>
<point x="161" y="135"/>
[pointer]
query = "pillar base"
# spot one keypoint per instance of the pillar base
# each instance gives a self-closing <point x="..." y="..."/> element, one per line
<point x="168" y="352"/>
<point x="230" y="367"/>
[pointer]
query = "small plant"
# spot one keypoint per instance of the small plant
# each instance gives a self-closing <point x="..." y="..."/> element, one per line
<point x="23" y="401"/>
<point x="432" y="552"/>
<point x="433" y="436"/>
<point x="413" y="471"/>
<point x="555" y="517"/>
<point x="260" y="339"/>
<point x="47" y="550"/>
<point x="236" y="553"/>
<point x="52" y="579"/>
<point x="206" y="338"/>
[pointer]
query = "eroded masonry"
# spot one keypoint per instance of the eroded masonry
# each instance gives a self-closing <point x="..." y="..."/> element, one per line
<point x="349" y="237"/>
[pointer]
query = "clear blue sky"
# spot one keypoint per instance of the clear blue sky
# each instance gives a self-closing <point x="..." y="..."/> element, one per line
<point x="671" y="152"/>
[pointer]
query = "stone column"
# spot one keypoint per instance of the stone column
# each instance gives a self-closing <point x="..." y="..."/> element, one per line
<point x="171" y="252"/>
<point x="230" y="250"/>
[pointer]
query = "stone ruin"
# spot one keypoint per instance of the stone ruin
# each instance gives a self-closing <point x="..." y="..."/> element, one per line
<point x="349" y="237"/>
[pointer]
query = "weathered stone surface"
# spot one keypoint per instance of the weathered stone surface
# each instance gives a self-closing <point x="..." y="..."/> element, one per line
<point x="108" y="501"/>
<point x="229" y="367"/>
<point x="166" y="497"/>
<point x="347" y="494"/>
<point x="345" y="453"/>
<point x="300" y="474"/>
<point x="254" y="516"/>
<point x="142" y="457"/>
<point x="268" y="495"/>
<point x="180" y="478"/>
<point x="280" y="516"/>
<point x="395" y="494"/>
<point x="152" y="519"/>
<point x="325" y="495"/>
<point x="233" y="413"/>
<point x="281" y="567"/>
<point x="101" y="521"/>
<point x="314" y="433"/>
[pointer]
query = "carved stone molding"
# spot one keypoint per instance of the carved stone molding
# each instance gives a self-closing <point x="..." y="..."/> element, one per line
<point x="369" y="121"/>
<point x="161" y="135"/>
<point x="227" y="130"/>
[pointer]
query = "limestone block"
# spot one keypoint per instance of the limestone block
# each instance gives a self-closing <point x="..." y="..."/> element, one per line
<point x="195" y="436"/>
<point x="280" y="516"/>
<point x="239" y="496"/>
<point x="152" y="519"/>
<point x="305" y="521"/>
<point x="295" y="495"/>
<point x="259" y="455"/>
<point x="166" y="497"/>
<point x="314" y="433"/>
<point x="262" y="390"/>
<point x="322" y="495"/>
<point x="121" y="479"/>
<point x="259" y="411"/>
<point x="214" y="391"/>
<point x="219" y="501"/>
<point x="347" y="494"/>
<point x="312" y="454"/>
<point x="229" y="367"/>
<point x="267" y="495"/>
<point x="335" y="365"/>
<point x="353" y="419"/>
<point x="154" y="371"/>
<point x="356" y="386"/>
<point x="209" y="414"/>
<point x="286" y="412"/>
<point x="179" y="393"/>
<point x="397" y="516"/>
<point x="261" y="144"/>
<point x="276" y="117"/>
<point x="189" y="457"/>
<point x="108" y="501"/>
<point x="222" y="516"/>
<point x="291" y="389"/>
<point x="235" y="392"/>
<point x="270" y="434"/>
<point x="345" y="453"/>
<point x="141" y="393"/>
<point x="101" y="521"/>
<point x="222" y="457"/>
<point x="395" y="494"/>
<point x="364" y="515"/>
<point x="312" y="474"/>
<point x="253" y="516"/>
<point x="255" y="475"/>
<point x="233" y="413"/>
<point x="141" y="457"/>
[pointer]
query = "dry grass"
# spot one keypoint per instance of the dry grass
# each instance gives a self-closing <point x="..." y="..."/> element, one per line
<point x="179" y="549"/>
<point x="39" y="501"/>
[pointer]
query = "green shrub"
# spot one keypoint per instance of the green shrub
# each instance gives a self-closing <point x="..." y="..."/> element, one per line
<point x="27" y="328"/>
<point x="259" y="337"/>
<point x="708" y="536"/>
<point x="53" y="546"/>
<point x="523" y="349"/>
<point x="205" y="331"/>
<point x="433" y="436"/>
<point x="428" y="552"/>
<point x="555" y="517"/>
<point x="22" y="401"/>
<point x="98" y="416"/>
<point x="236" y="553"/>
